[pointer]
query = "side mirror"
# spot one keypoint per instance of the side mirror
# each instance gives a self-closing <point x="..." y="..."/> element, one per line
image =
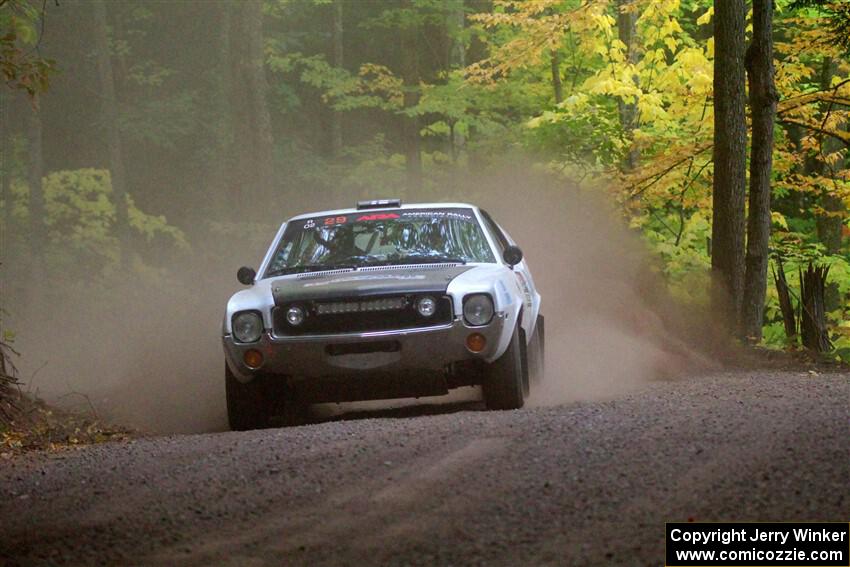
<point x="512" y="255"/>
<point x="246" y="275"/>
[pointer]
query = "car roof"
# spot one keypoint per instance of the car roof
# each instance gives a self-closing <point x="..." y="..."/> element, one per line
<point x="402" y="207"/>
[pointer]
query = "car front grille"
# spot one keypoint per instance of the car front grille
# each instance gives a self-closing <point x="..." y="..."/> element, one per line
<point x="360" y="315"/>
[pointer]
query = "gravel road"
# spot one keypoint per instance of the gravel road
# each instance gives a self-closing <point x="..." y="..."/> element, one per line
<point x="580" y="484"/>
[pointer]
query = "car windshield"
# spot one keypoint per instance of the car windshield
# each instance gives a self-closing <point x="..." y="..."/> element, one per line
<point x="370" y="238"/>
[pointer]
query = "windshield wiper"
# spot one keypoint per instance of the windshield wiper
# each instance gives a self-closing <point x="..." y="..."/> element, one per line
<point x="309" y="268"/>
<point x="414" y="259"/>
<point x="411" y="259"/>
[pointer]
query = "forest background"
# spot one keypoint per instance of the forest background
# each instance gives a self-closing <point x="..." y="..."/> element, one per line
<point x="151" y="140"/>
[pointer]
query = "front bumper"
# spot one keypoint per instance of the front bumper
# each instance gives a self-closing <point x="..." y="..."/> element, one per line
<point x="425" y="349"/>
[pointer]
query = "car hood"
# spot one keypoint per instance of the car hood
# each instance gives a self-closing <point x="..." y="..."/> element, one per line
<point x="389" y="280"/>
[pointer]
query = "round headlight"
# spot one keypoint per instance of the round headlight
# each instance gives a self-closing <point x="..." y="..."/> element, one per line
<point x="478" y="309"/>
<point x="247" y="326"/>
<point x="426" y="306"/>
<point x="295" y="315"/>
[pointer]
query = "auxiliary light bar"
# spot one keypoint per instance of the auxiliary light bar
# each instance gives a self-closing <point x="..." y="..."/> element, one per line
<point x="386" y="304"/>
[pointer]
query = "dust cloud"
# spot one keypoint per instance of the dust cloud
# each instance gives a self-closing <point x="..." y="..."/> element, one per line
<point x="142" y="352"/>
<point x="145" y="350"/>
<point x="611" y="325"/>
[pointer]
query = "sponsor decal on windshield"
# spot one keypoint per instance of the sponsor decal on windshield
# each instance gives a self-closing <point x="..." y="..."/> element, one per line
<point x="411" y="214"/>
<point x="378" y="216"/>
<point x="331" y="221"/>
<point x="457" y="214"/>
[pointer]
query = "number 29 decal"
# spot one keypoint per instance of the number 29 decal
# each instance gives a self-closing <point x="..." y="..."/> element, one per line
<point x="330" y="221"/>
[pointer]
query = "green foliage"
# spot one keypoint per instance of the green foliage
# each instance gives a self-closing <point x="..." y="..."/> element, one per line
<point x="21" y="66"/>
<point x="80" y="220"/>
<point x="374" y="86"/>
<point x="681" y="243"/>
<point x="667" y="77"/>
<point x="416" y="13"/>
<point x="162" y="122"/>
<point x="482" y="87"/>
<point x="834" y="13"/>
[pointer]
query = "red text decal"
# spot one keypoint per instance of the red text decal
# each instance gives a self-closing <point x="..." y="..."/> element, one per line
<point x="335" y="220"/>
<point x="379" y="216"/>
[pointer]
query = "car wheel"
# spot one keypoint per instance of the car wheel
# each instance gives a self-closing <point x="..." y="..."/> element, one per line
<point x="246" y="406"/>
<point x="537" y="352"/>
<point x="523" y="349"/>
<point x="293" y="412"/>
<point x="503" y="383"/>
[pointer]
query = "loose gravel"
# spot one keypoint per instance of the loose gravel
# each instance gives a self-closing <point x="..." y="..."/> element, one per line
<point x="579" y="484"/>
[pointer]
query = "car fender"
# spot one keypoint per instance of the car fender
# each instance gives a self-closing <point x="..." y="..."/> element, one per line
<point x="529" y="290"/>
<point x="502" y="285"/>
<point x="258" y="297"/>
<point x="530" y="297"/>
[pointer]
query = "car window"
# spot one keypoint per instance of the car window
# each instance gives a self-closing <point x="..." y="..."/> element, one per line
<point x="370" y="238"/>
<point x="501" y="240"/>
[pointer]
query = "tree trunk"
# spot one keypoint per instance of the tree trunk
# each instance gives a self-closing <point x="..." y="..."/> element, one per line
<point x="785" y="306"/>
<point x="763" y="111"/>
<point x="813" y="331"/>
<point x="109" y="117"/>
<point x="338" y="61"/>
<point x="257" y="86"/>
<point x="829" y="224"/>
<point x="457" y="48"/>
<point x="120" y="69"/>
<point x="35" y="174"/>
<point x="626" y="32"/>
<point x="410" y="124"/>
<point x="730" y="158"/>
<point x="243" y="172"/>
<point x="457" y="60"/>
<point x="6" y="172"/>
<point x="221" y="165"/>
<point x="37" y="234"/>
<point x="557" y="87"/>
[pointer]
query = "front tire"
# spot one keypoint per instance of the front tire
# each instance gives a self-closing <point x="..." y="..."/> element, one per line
<point x="247" y="408"/>
<point x="537" y="353"/>
<point x="504" y="382"/>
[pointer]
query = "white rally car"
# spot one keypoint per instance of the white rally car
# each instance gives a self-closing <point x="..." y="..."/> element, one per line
<point x="382" y="301"/>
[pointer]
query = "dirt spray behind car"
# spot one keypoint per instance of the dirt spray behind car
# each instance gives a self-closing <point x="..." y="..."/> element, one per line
<point x="611" y="324"/>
